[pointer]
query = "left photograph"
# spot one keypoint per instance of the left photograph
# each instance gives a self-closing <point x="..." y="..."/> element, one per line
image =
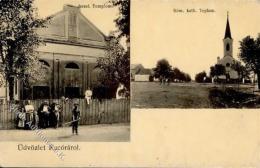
<point x="65" y="70"/>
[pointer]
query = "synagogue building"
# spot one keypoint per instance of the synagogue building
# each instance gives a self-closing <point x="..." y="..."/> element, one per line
<point x="72" y="46"/>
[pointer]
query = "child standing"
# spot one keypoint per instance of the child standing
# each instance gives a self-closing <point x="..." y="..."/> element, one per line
<point x="75" y="119"/>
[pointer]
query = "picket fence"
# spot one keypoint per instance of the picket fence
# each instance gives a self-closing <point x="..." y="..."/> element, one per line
<point x="97" y="112"/>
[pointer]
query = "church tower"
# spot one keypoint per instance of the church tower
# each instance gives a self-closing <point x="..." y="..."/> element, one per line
<point x="228" y="60"/>
<point x="228" y="41"/>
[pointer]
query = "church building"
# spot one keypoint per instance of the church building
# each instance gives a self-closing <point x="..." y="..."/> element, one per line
<point x="228" y="59"/>
<point x="72" y="46"/>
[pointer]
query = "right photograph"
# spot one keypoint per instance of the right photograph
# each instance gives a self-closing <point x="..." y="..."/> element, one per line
<point x="203" y="54"/>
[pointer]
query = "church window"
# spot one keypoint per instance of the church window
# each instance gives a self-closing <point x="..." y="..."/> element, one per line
<point x="227" y="47"/>
<point x="72" y="78"/>
<point x="45" y="63"/>
<point x="72" y="66"/>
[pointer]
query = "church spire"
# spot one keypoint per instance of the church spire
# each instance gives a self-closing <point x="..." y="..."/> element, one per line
<point x="228" y="32"/>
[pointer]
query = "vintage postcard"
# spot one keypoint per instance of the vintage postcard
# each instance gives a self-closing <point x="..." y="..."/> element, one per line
<point x="120" y="83"/>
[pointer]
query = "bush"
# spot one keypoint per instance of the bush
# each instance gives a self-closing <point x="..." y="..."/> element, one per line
<point x="230" y="98"/>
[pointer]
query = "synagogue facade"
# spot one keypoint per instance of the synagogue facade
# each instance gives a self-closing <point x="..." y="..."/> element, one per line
<point x="72" y="46"/>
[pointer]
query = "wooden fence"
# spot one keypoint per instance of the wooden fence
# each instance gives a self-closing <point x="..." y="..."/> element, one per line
<point x="104" y="112"/>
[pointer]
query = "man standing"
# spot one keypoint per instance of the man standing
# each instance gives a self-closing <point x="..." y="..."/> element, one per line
<point x="120" y="91"/>
<point x="43" y="113"/>
<point x="54" y="115"/>
<point x="88" y="95"/>
<point x="75" y="119"/>
<point x="29" y="113"/>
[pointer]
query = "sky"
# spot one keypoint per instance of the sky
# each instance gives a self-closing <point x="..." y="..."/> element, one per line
<point x="189" y="41"/>
<point x="103" y="19"/>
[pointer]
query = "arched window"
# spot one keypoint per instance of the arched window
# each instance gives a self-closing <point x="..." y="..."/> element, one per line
<point x="72" y="65"/>
<point x="45" y="63"/>
<point x="227" y="47"/>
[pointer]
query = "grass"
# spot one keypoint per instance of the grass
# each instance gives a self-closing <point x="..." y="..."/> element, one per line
<point x="182" y="95"/>
<point x="231" y="98"/>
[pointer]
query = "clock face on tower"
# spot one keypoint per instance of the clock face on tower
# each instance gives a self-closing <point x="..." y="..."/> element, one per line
<point x="227" y="47"/>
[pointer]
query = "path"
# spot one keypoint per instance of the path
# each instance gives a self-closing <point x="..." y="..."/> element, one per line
<point x="102" y="133"/>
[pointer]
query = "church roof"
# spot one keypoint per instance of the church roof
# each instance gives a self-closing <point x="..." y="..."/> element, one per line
<point x="134" y="66"/>
<point x="227" y="32"/>
<point x="145" y="71"/>
<point x="70" y="26"/>
<point x="140" y="70"/>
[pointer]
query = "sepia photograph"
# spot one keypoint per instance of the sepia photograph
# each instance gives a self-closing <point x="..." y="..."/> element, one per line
<point x="188" y="96"/>
<point x="196" y="55"/>
<point x="65" y="70"/>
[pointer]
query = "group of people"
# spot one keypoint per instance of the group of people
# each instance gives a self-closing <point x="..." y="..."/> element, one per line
<point x="46" y="116"/>
<point x="49" y="115"/>
<point x="26" y="116"/>
<point x="164" y="80"/>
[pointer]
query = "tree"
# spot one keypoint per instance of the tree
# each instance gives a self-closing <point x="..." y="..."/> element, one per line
<point x="200" y="77"/>
<point x="187" y="77"/>
<point x="162" y="69"/>
<point x="18" y="40"/>
<point x="250" y="54"/>
<point x="115" y="65"/>
<point x="217" y="70"/>
<point x="123" y="20"/>
<point x="243" y="71"/>
<point x="220" y="70"/>
<point x="176" y="73"/>
<point x="212" y="71"/>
